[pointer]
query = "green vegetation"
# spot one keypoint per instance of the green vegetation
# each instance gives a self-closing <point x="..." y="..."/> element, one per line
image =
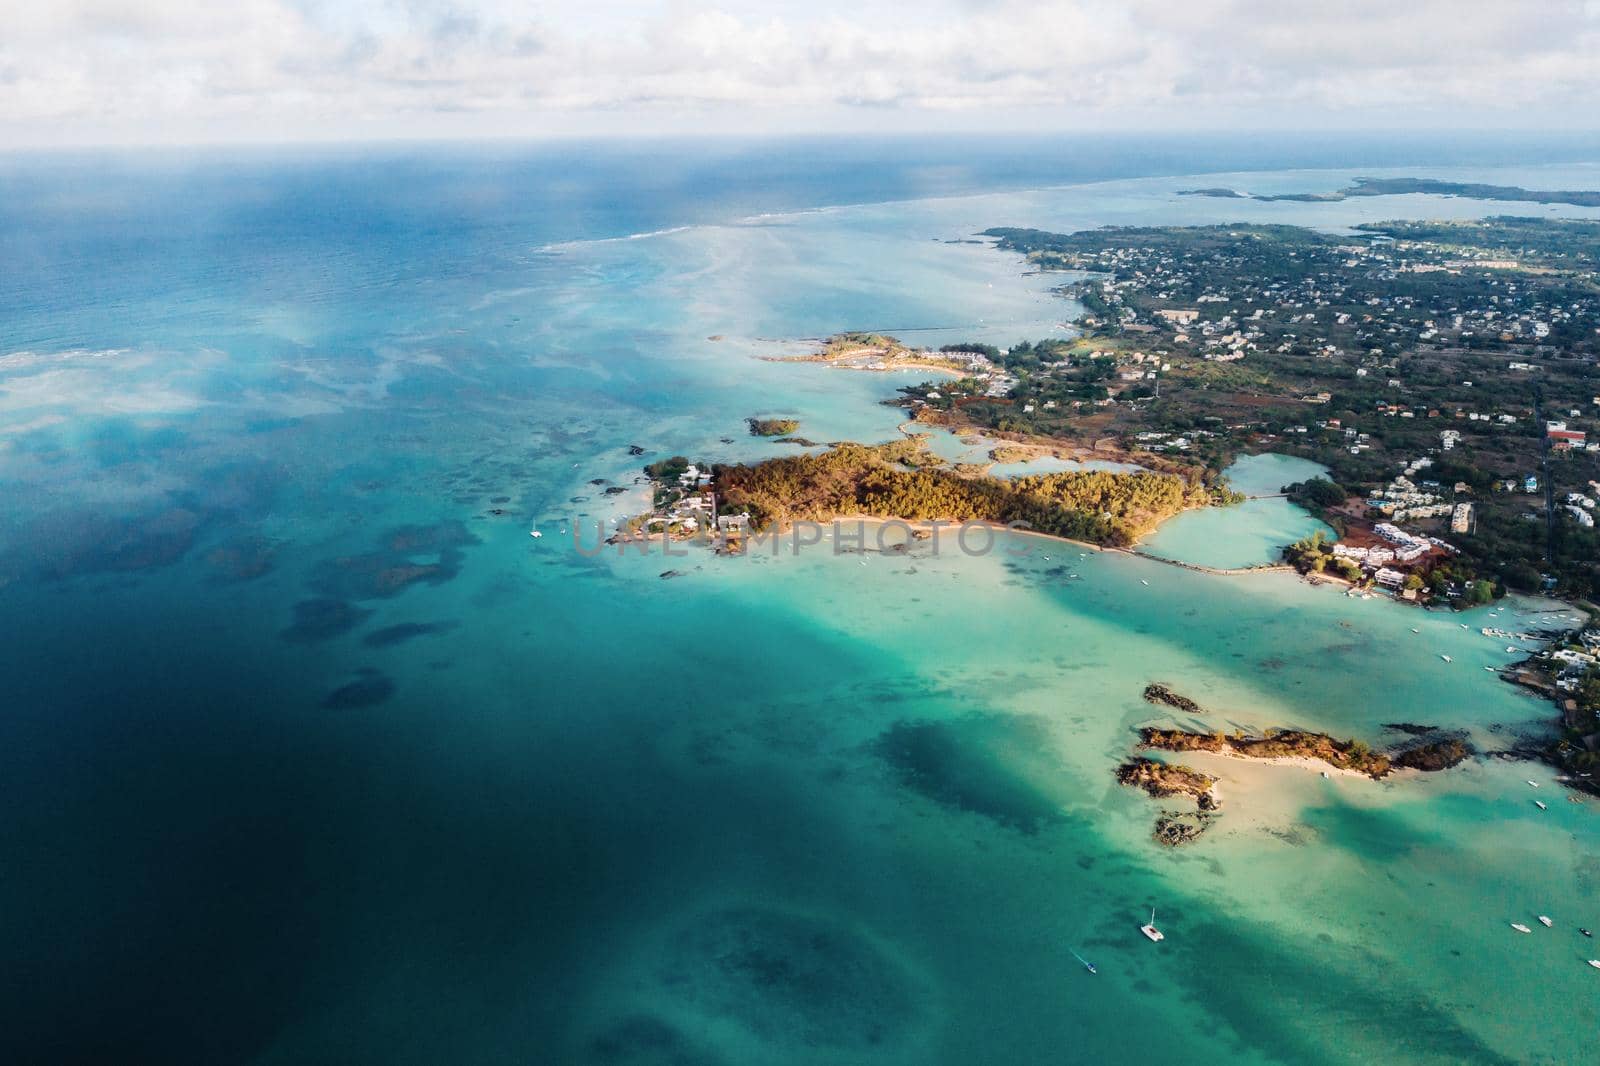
<point x="1577" y="749"/>
<point x="1161" y="779"/>
<point x="1357" y="352"/>
<point x="848" y="341"/>
<point x="1314" y="555"/>
<point x="1276" y="744"/>
<point x="668" y="469"/>
<point x="1095" y="506"/>
<point x="772" y="427"/>
<point x="1318" y="493"/>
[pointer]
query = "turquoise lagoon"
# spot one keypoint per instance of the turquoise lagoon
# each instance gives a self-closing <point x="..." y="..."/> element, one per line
<point x="310" y="753"/>
<point x="1250" y="533"/>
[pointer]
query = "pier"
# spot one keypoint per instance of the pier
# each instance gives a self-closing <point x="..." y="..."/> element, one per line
<point x="1263" y="568"/>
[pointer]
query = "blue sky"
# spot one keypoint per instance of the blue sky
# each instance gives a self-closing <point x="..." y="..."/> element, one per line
<point x="150" y="71"/>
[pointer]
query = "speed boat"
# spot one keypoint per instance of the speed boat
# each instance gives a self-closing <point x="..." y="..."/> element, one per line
<point x="1595" y="963"/>
<point x="1519" y="927"/>
<point x="1540" y="805"/>
<point x="1447" y="658"/>
<point x="1546" y="922"/>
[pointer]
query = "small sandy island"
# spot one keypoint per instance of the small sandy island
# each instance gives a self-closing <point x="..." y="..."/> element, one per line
<point x="1427" y="750"/>
<point x="876" y="352"/>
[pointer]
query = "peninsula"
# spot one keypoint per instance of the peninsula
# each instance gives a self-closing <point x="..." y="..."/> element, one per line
<point x="1445" y="372"/>
<point x="902" y="480"/>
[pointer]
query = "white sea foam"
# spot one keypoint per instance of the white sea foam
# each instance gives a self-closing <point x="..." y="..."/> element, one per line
<point x="567" y="246"/>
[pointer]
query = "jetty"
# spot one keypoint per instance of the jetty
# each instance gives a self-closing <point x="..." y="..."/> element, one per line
<point x="1260" y="568"/>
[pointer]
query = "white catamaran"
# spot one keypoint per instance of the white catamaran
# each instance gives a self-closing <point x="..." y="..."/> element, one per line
<point x="1150" y="930"/>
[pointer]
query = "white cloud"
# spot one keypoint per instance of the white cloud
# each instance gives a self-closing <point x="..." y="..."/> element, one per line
<point x="151" y="68"/>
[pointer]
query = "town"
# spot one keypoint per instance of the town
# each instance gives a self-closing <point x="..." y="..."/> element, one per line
<point x="1444" y="373"/>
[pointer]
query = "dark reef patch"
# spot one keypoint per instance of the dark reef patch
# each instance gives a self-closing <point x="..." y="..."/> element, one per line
<point x="322" y="619"/>
<point x="69" y="543"/>
<point x="983" y="763"/>
<point x="243" y="558"/>
<point x="389" y="636"/>
<point x="645" y="1041"/>
<point x="372" y="687"/>
<point x="794" y="981"/>
<point x="395" y="567"/>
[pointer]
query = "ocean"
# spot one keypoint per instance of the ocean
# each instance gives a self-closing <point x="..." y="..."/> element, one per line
<point x="310" y="754"/>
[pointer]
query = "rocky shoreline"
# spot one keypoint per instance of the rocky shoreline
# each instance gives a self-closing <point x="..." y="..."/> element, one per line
<point x="1156" y="692"/>
<point x="1162" y="780"/>
<point x="1428" y="750"/>
<point x="1165" y="781"/>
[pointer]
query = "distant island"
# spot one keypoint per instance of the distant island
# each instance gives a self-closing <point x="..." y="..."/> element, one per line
<point x="855" y="350"/>
<point x="1402" y="186"/>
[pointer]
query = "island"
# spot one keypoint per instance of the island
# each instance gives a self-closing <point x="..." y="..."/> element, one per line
<point x="902" y="480"/>
<point x="772" y="427"/>
<point x="1167" y="780"/>
<point x="1406" y="186"/>
<point x="855" y="350"/>
<point x="1426" y="749"/>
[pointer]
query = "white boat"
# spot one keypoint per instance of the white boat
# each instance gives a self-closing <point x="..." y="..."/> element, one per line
<point x="1541" y="806"/>
<point x="1595" y="963"/>
<point x="1447" y="658"/>
<point x="1142" y="581"/>
<point x="1150" y="930"/>
<point x="1414" y="629"/>
<point x="1519" y="927"/>
<point x="1532" y="782"/>
<point x="535" y="534"/>
<point x="1546" y="922"/>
